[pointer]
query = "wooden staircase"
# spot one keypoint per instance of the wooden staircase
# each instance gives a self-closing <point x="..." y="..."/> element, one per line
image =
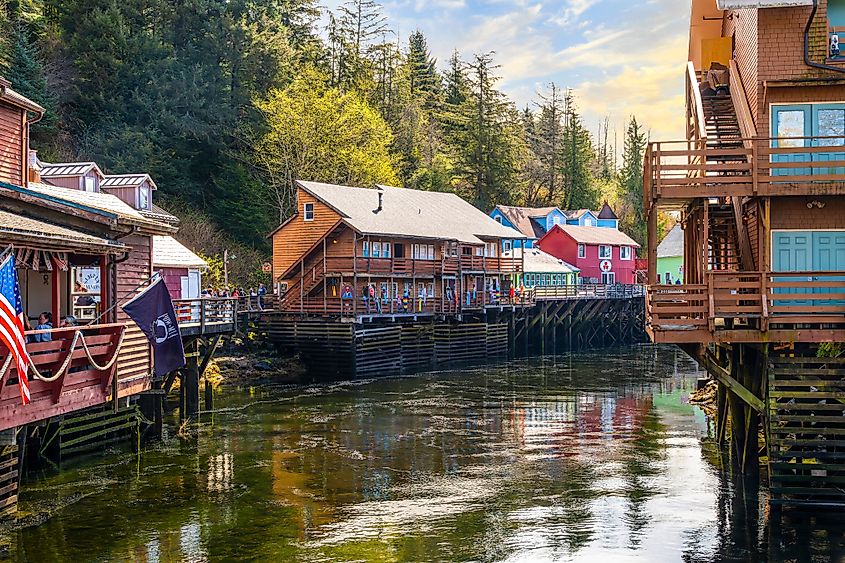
<point x="721" y="125"/>
<point x="309" y="280"/>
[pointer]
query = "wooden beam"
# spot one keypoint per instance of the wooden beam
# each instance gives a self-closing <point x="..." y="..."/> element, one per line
<point x="724" y="377"/>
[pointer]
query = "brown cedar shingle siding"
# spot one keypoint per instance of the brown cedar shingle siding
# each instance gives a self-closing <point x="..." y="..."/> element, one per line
<point x="297" y="236"/>
<point x="743" y="27"/>
<point x="793" y="213"/>
<point x="12" y="139"/>
<point x="135" y="358"/>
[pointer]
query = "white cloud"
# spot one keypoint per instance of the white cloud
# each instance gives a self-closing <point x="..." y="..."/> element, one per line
<point x="572" y="11"/>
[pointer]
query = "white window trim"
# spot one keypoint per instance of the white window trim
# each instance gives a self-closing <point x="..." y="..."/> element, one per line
<point x="622" y="250"/>
<point x="582" y="250"/>
<point x="305" y="208"/>
<point x="609" y="252"/>
<point x="140" y="199"/>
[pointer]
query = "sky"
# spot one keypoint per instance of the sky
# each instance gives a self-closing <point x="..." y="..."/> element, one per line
<point x="621" y="57"/>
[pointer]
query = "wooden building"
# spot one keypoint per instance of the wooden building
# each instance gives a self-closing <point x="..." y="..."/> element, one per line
<point x="389" y="251"/>
<point x="759" y="182"/>
<point x="603" y="255"/>
<point x="181" y="269"/>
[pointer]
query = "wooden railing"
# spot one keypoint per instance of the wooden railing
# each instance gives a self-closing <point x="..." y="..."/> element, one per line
<point x="80" y="385"/>
<point x="762" y="166"/>
<point x="756" y="299"/>
<point x="588" y="291"/>
<point x="411" y="266"/>
<point x="206" y="312"/>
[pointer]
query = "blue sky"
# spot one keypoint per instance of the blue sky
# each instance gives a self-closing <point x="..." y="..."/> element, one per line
<point x="621" y="57"/>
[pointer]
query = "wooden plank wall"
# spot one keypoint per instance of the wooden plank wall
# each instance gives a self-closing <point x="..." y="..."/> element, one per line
<point x="378" y="350"/>
<point x="12" y="144"/>
<point x="806" y="430"/>
<point x="135" y="363"/>
<point x="297" y="236"/>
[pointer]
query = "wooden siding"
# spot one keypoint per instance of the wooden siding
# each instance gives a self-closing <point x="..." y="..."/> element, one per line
<point x="742" y="27"/>
<point x="128" y="195"/>
<point x="72" y="182"/>
<point x="136" y="357"/>
<point x="793" y="213"/>
<point x="297" y="236"/>
<point x="12" y="144"/>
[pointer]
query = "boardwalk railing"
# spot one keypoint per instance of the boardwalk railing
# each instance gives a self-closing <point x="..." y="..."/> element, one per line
<point x="589" y="291"/>
<point x="762" y="298"/>
<point x="74" y="381"/>
<point x="763" y="166"/>
<point x="206" y="312"/>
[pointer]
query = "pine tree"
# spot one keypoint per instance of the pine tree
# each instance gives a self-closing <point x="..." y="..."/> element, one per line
<point x="577" y="155"/>
<point x="424" y="80"/>
<point x="549" y="138"/>
<point x="630" y="181"/>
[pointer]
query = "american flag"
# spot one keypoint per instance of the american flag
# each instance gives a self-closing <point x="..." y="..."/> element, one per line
<point x="11" y="323"/>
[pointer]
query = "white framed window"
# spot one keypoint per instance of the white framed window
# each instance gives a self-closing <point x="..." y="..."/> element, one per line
<point x="366" y="252"/>
<point x="143" y="197"/>
<point x="555" y="220"/>
<point x="507" y="245"/>
<point x="308" y="212"/>
<point x="608" y="278"/>
<point x="479" y="251"/>
<point x="489" y="249"/>
<point x="588" y="221"/>
<point x="376" y="250"/>
<point x="624" y="252"/>
<point x="385" y="249"/>
<point x="605" y="252"/>
<point x="582" y="251"/>
<point x="498" y="219"/>
<point x="431" y="252"/>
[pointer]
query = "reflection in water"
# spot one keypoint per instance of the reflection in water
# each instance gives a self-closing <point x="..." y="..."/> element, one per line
<point x="594" y="456"/>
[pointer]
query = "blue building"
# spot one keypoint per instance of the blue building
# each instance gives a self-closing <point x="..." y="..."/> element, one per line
<point x="534" y="222"/>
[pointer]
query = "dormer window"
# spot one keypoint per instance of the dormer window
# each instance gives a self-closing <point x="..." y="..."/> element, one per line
<point x="90" y="184"/>
<point x="308" y="212"/>
<point x="144" y="197"/>
<point x="499" y="219"/>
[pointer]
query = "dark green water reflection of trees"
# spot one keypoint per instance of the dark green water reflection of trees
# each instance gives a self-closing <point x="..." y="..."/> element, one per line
<point x="594" y="457"/>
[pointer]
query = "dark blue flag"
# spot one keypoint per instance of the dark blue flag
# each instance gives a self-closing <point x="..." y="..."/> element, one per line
<point x="152" y="310"/>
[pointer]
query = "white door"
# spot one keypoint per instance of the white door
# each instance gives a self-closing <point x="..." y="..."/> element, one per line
<point x="186" y="288"/>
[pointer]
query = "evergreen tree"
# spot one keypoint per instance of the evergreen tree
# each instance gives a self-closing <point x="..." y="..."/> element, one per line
<point x="577" y="155"/>
<point x="630" y="182"/>
<point x="424" y="80"/>
<point x="548" y="147"/>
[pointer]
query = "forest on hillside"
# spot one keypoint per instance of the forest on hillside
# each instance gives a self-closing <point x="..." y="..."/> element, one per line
<point x="226" y="102"/>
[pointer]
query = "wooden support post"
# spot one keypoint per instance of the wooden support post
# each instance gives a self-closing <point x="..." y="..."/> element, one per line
<point x="652" y="245"/>
<point x="209" y="396"/>
<point x="190" y="380"/>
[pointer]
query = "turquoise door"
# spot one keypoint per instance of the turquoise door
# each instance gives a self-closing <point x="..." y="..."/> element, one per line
<point x="789" y="125"/>
<point x="792" y="251"/>
<point x="829" y="256"/>
<point x="829" y="122"/>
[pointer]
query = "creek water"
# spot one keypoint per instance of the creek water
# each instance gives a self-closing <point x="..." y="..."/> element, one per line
<point x="589" y="457"/>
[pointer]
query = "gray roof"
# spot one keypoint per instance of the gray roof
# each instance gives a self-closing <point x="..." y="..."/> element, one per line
<point x="14" y="228"/>
<point x="537" y="261"/>
<point x="68" y="169"/>
<point x="523" y="218"/>
<point x="410" y="213"/>
<point x="127" y="181"/>
<point x="672" y="244"/>
<point x="169" y="252"/>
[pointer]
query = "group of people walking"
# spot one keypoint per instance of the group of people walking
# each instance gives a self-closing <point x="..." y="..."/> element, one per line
<point x="253" y="297"/>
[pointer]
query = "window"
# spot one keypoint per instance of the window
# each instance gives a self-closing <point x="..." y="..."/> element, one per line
<point x="555" y="220"/>
<point x="624" y="252"/>
<point x="499" y="219"/>
<point x="588" y="222"/>
<point x="308" y="212"/>
<point x="605" y="252"/>
<point x="385" y="249"/>
<point x="399" y="250"/>
<point x="507" y="245"/>
<point x="366" y="253"/>
<point x="423" y="252"/>
<point x="582" y="251"/>
<point x="466" y="251"/>
<point x="544" y="280"/>
<point x="143" y="197"/>
<point x="479" y="251"/>
<point x="376" y="250"/>
<point x="489" y="249"/>
<point x="608" y="278"/>
<point x="836" y="26"/>
<point x="91" y="185"/>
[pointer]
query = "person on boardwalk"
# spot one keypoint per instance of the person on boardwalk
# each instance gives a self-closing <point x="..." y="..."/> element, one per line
<point x="262" y="291"/>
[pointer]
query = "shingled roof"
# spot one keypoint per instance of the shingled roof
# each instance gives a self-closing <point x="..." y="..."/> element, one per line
<point x="596" y="235"/>
<point x="410" y="213"/>
<point x="169" y="252"/>
<point x="672" y="244"/>
<point x="606" y="212"/>
<point x="537" y="261"/>
<point x="523" y="218"/>
<point x="20" y="230"/>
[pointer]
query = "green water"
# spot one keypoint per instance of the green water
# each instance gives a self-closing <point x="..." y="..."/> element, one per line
<point x="595" y="457"/>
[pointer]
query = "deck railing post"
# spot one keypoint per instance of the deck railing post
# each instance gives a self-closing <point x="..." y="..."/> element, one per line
<point x="203" y="305"/>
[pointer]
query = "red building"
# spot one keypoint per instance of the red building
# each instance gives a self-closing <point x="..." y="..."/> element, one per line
<point x="603" y="255"/>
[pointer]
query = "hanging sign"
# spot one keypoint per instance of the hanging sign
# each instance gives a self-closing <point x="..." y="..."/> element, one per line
<point x="605" y="266"/>
<point x="266" y="267"/>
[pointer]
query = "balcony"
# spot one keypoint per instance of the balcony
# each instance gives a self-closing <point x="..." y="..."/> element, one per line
<point x="678" y="171"/>
<point x="749" y="307"/>
<point x="70" y="376"/>
<point x="409" y="267"/>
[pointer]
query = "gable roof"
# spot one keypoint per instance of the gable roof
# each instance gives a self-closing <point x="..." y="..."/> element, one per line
<point x="169" y="252"/>
<point x="126" y="181"/>
<point x="537" y="261"/>
<point x="409" y="213"/>
<point x="672" y="244"/>
<point x="577" y="213"/>
<point x="66" y="169"/>
<point x="19" y="229"/>
<point x="521" y="218"/>
<point x="606" y="212"/>
<point x="594" y="235"/>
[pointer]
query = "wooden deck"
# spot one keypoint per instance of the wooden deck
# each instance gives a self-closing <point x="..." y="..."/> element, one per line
<point x="206" y="316"/>
<point x="750" y="307"/>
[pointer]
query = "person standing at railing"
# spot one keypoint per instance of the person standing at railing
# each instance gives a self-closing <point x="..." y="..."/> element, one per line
<point x="262" y="291"/>
<point x="512" y="294"/>
<point x="45" y="322"/>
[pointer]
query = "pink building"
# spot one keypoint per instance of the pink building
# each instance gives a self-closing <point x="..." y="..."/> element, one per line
<point x="603" y="255"/>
